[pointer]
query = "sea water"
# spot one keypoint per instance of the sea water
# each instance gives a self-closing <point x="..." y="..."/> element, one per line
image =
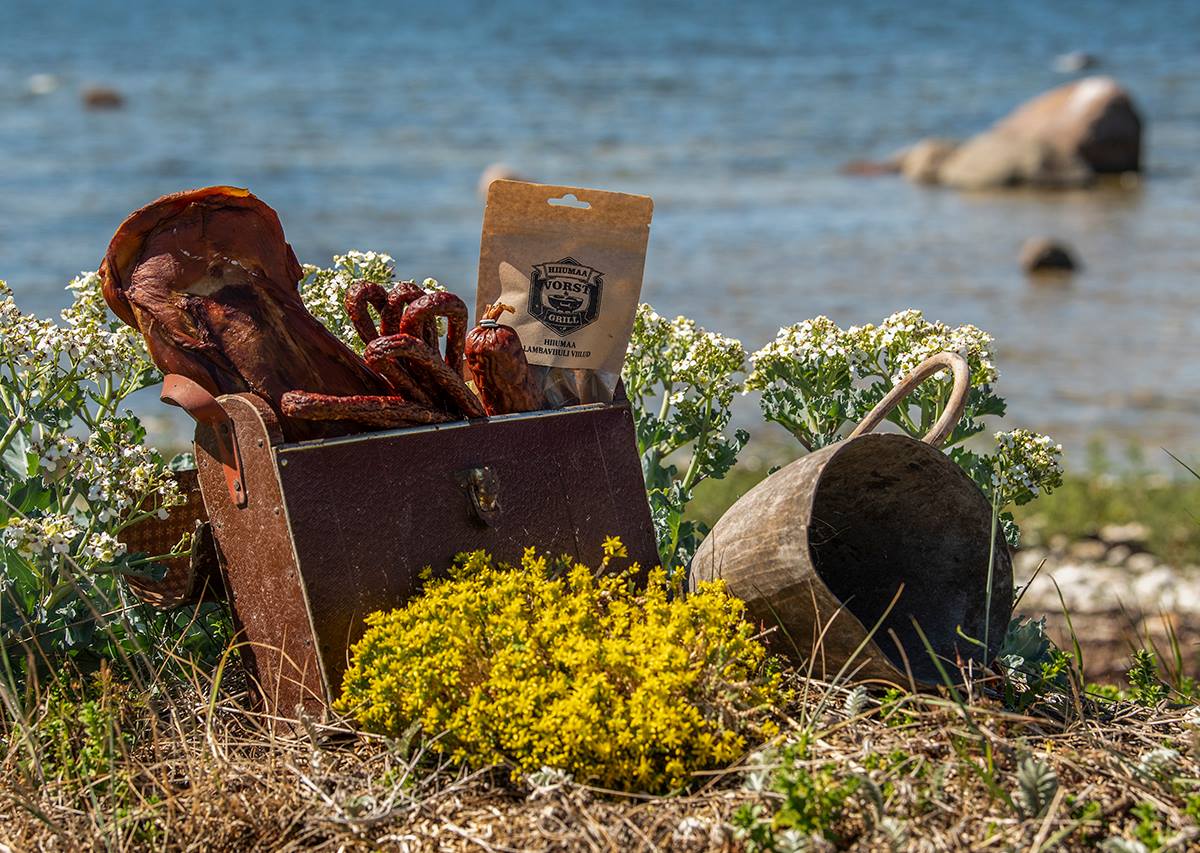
<point x="367" y="125"/>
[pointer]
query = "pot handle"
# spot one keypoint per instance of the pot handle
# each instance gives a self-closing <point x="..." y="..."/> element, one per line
<point x="954" y="408"/>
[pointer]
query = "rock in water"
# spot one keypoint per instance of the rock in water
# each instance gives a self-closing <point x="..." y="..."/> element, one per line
<point x="497" y="172"/>
<point x="996" y="159"/>
<point x="1059" y="139"/>
<point x="1042" y="254"/>
<point x="1076" y="60"/>
<point x="869" y="168"/>
<point x="42" y="84"/>
<point x="102" y="98"/>
<point x="1093" y="119"/>
<point x="920" y="164"/>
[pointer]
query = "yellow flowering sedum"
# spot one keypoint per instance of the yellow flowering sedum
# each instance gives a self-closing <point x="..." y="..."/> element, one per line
<point x="550" y="665"/>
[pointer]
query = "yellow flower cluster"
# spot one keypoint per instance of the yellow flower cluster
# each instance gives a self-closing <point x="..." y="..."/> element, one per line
<point x="553" y="665"/>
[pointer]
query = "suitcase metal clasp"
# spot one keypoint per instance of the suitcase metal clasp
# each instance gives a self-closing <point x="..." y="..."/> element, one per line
<point x="482" y="486"/>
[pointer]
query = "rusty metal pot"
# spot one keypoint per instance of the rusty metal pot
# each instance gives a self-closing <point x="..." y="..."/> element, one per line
<point x="875" y="532"/>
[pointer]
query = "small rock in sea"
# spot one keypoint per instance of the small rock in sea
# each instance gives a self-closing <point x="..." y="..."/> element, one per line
<point x="1141" y="562"/>
<point x="1076" y="60"/>
<point x="920" y="164"/>
<point x="497" y="172"/>
<point x="42" y="84"/>
<point x="102" y="98"/>
<point x="1043" y="254"/>
<point x="869" y="168"/>
<point x="1088" y="550"/>
<point x="1118" y="554"/>
<point x="1133" y="533"/>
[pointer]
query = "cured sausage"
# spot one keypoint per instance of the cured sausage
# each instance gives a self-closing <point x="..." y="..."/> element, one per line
<point x="497" y="363"/>
<point x="423" y="311"/>
<point x="426" y="364"/>
<point x="366" y="409"/>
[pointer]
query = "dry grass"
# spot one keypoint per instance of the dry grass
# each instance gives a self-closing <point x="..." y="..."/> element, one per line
<point x="186" y="771"/>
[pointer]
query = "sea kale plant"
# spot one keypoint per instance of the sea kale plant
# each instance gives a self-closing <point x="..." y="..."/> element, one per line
<point x="818" y="380"/>
<point x="681" y="381"/>
<point x="74" y="473"/>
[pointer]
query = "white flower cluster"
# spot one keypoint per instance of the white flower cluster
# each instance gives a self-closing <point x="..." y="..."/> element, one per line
<point x="905" y="339"/>
<point x="706" y="362"/>
<point x="92" y="344"/>
<point x="57" y="456"/>
<point x="102" y="548"/>
<point x="1024" y="465"/>
<point x="112" y="469"/>
<point x="25" y="340"/>
<point x="889" y="350"/>
<point x="50" y="534"/>
<point x="52" y="537"/>
<point x="95" y="342"/>
<point x="810" y="346"/>
<point x="323" y="290"/>
<point x="682" y="358"/>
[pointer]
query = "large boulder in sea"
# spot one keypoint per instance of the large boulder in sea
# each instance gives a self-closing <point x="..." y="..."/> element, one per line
<point x="1059" y="139"/>
<point x="921" y="163"/>
<point x="996" y="159"/>
<point x="1093" y="119"/>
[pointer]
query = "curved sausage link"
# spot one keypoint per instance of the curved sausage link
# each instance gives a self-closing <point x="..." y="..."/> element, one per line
<point x="362" y="294"/>
<point x="441" y="304"/>
<point x="403" y="381"/>
<point x="422" y="361"/>
<point x="370" y="409"/>
<point x="399" y="298"/>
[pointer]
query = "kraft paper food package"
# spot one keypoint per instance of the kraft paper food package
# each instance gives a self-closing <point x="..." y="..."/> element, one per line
<point x="573" y="275"/>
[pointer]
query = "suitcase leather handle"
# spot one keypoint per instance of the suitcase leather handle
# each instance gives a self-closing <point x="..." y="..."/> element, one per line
<point x="194" y="399"/>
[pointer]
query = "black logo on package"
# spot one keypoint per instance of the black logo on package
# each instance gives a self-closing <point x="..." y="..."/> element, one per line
<point x="565" y="295"/>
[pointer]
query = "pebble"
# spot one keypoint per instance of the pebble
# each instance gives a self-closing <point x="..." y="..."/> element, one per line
<point x="1144" y="586"/>
<point x="1159" y="587"/>
<point x="1118" y="554"/>
<point x="1088" y="550"/>
<point x="1059" y="543"/>
<point x="1141" y="562"/>
<point x="1124" y="534"/>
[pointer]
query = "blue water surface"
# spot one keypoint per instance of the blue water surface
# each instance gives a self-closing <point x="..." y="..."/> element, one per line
<point x="367" y="125"/>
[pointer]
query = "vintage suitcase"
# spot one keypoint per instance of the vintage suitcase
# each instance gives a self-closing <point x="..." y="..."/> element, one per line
<point x="315" y="535"/>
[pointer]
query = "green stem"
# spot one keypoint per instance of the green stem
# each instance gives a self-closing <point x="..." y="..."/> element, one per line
<point x="655" y="452"/>
<point x="158" y="558"/>
<point x="689" y="480"/>
<point x="11" y="433"/>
